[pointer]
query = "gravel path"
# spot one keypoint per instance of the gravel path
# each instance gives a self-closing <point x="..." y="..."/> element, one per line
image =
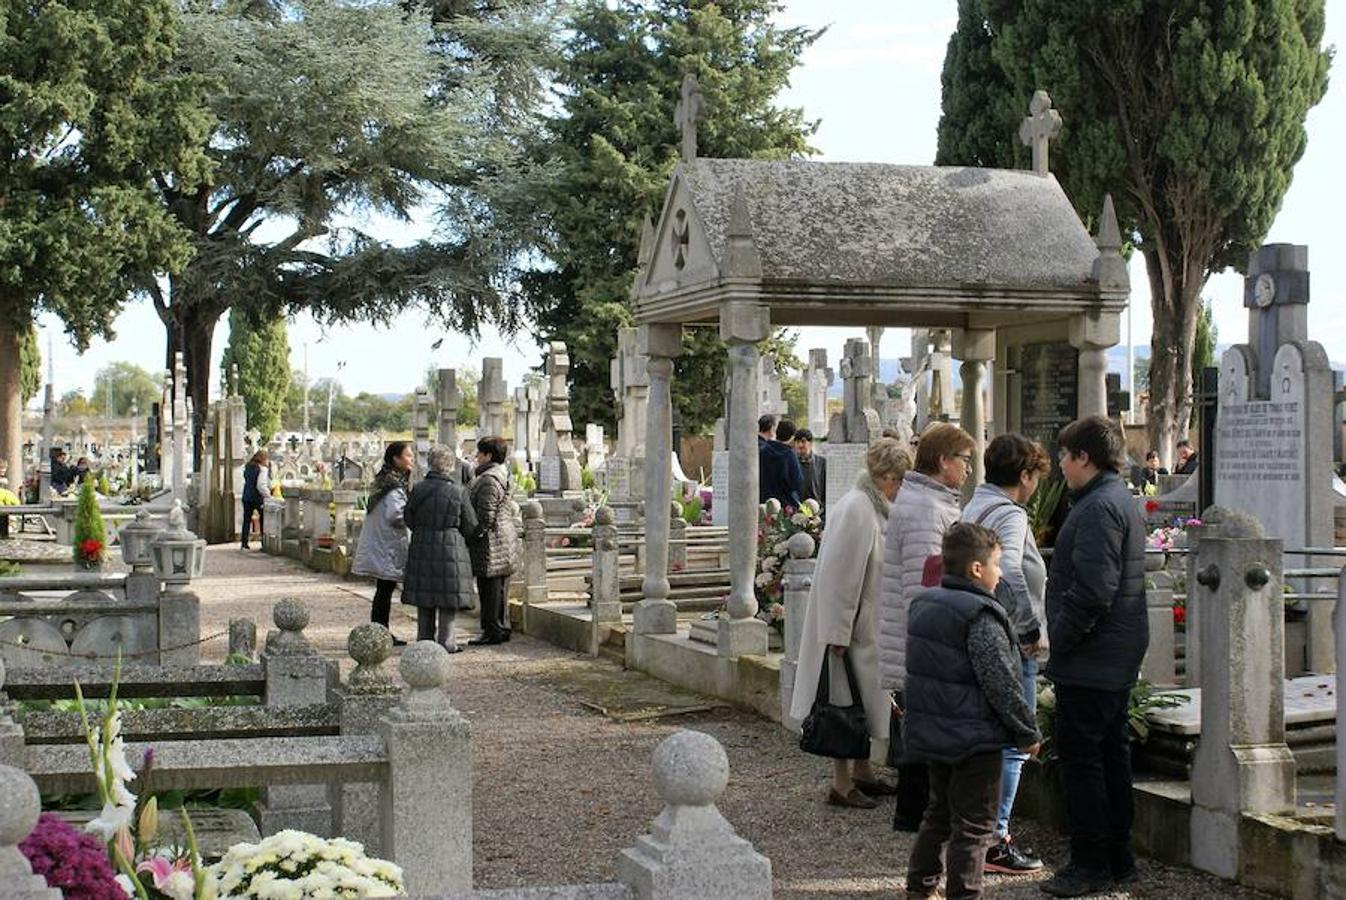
<point x="560" y="789"/>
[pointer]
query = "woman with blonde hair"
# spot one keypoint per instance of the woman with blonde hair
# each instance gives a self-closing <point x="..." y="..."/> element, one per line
<point x="928" y="505"/>
<point x="256" y="488"/>
<point x="839" y="621"/>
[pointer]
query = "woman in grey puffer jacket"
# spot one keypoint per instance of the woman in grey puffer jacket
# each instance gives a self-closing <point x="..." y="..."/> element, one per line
<point x="924" y="509"/>
<point x="496" y="543"/>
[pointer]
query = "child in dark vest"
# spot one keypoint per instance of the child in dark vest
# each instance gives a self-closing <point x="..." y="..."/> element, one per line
<point x="964" y="705"/>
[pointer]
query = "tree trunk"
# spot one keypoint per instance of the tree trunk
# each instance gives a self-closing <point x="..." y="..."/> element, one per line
<point x="190" y="328"/>
<point x="11" y="403"/>
<point x="1173" y="302"/>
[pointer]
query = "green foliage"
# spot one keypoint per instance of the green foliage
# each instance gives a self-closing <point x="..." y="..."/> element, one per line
<point x="104" y="486"/>
<point x="692" y="509"/>
<point x="30" y="365"/>
<point x="1190" y="116"/>
<point x="126" y="383"/>
<point x="9" y="568"/>
<point x="467" y="379"/>
<point x="615" y="143"/>
<point x="1143" y="701"/>
<point x="90" y="536"/>
<point x="1207" y="335"/>
<point x="1042" y="507"/>
<point x="90" y="107"/>
<point x="74" y="403"/>
<point x="261" y="351"/>
<point x="328" y="112"/>
<point x="587" y="479"/>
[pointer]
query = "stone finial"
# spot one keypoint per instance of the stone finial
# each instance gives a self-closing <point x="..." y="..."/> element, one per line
<point x="690" y="769"/>
<point x="691" y="851"/>
<point x="801" y="545"/>
<point x="603" y="516"/>
<point x="291" y="618"/>
<point x="689" y="111"/>
<point x="742" y="259"/>
<point x="369" y="645"/>
<point x="1109" y="267"/>
<point x="20" y="806"/>
<point x="531" y="510"/>
<point x="425" y="671"/>
<point x="1041" y="125"/>
<point x="1239" y="525"/>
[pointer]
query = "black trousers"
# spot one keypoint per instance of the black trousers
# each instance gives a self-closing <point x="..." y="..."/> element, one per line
<point x="383" y="602"/>
<point x="964" y="799"/>
<point x="4" y="526"/>
<point x="435" y="624"/>
<point x="493" y="593"/>
<point x="246" y="528"/>
<point x="1093" y="744"/>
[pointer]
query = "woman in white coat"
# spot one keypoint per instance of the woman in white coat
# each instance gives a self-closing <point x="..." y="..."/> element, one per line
<point x="840" y="616"/>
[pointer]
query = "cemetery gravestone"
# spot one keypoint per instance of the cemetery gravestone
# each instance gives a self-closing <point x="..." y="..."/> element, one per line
<point x="491" y="394"/>
<point x="1049" y="390"/>
<point x="818" y="380"/>
<point x="560" y="469"/>
<point x="450" y="400"/>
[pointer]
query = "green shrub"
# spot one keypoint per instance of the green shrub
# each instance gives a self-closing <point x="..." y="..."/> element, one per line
<point x="90" y="535"/>
<point x="104" y="486"/>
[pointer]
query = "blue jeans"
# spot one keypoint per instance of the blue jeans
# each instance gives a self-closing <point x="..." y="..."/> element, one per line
<point x="1013" y="761"/>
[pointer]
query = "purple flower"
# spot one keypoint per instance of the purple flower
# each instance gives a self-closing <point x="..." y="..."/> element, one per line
<point x="70" y="860"/>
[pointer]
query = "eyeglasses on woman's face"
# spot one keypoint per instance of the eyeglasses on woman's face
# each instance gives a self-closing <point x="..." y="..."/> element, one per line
<point x="965" y="457"/>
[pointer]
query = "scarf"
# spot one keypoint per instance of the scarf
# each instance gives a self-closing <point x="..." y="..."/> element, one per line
<point x="866" y="485"/>
<point x="388" y="480"/>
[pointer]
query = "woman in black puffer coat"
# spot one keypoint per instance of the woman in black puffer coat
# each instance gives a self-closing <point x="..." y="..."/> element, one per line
<point x="438" y="578"/>
<point x="497" y="542"/>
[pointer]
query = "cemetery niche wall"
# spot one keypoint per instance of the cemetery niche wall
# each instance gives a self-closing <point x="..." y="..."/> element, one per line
<point x="998" y="257"/>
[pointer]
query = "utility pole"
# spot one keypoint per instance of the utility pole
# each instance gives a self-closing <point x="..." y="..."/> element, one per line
<point x="306" y="389"/>
<point x="331" y="390"/>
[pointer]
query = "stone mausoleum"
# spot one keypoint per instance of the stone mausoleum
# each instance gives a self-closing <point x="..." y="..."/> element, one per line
<point x="999" y="256"/>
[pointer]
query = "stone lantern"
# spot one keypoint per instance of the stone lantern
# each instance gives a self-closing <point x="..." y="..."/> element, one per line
<point x="136" y="537"/>
<point x="178" y="555"/>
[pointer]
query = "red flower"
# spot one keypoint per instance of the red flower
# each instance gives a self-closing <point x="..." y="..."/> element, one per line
<point x="1152" y="506"/>
<point x="1179" y="615"/>
<point x="90" y="548"/>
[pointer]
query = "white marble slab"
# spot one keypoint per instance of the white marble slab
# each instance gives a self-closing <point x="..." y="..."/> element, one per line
<point x="1309" y="699"/>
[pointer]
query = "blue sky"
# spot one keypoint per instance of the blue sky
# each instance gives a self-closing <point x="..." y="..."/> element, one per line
<point x="873" y="80"/>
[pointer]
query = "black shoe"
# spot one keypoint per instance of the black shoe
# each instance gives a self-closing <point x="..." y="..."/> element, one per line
<point x="1006" y="859"/>
<point x="504" y="637"/>
<point x="1129" y="877"/>
<point x="876" y="788"/>
<point x="853" y="799"/>
<point x="908" y="825"/>
<point x="398" y="642"/>
<point x="485" y="640"/>
<point x="1077" y="882"/>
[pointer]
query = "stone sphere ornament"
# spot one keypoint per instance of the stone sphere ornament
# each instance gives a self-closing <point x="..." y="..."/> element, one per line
<point x="20" y="805"/>
<point x="800" y="545"/>
<point x="690" y="769"/>
<point x="424" y="666"/>
<point x="290" y="614"/>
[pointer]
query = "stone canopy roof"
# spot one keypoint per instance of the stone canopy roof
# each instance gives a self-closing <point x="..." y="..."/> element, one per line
<point x="915" y="225"/>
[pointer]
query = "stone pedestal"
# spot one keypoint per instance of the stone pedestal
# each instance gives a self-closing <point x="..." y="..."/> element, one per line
<point x="1160" y="666"/>
<point x="295" y="676"/>
<point x="605" y="601"/>
<point x="426" y="803"/>
<point x="691" y="851"/>
<point x="1242" y="764"/>
<point x="656" y="614"/>
<point x="179" y="628"/>
<point x="798" y="582"/>
<point x="20" y="806"/>
<point x="368" y="694"/>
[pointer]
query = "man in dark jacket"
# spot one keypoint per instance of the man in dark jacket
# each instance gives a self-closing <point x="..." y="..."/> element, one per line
<point x="778" y="472"/>
<point x="814" y="468"/>
<point x="1187" y="461"/>
<point x="1098" y="632"/>
<point x="964" y="706"/>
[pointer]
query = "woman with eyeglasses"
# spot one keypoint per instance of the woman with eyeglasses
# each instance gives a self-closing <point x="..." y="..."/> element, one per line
<point x="927" y="505"/>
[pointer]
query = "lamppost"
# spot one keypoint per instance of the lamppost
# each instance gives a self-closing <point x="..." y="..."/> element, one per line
<point x="331" y="390"/>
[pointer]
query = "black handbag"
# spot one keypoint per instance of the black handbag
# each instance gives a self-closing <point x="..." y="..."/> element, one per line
<point x="838" y="732"/>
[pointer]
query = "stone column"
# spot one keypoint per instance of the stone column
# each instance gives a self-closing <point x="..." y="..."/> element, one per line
<point x="691" y="851"/>
<point x="1160" y="665"/>
<point x="182" y="433"/>
<point x="605" y="601"/>
<point x="1339" y="629"/>
<point x="18" y="817"/>
<point x="368" y="693"/>
<point x="450" y="398"/>
<point x="975" y="347"/>
<point x="1242" y="764"/>
<point x="1092" y="334"/>
<point x="798" y="582"/>
<point x="743" y="326"/>
<point x="426" y="804"/>
<point x="534" y="557"/>
<point x="656" y="614"/>
<point x="295" y="676"/>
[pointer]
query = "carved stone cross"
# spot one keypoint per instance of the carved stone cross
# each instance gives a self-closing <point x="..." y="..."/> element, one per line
<point x="689" y="111"/>
<point x="1041" y="125"/>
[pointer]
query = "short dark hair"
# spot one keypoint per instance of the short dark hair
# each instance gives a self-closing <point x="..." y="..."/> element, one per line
<point x="765" y="423"/>
<point x="1097" y="437"/>
<point x="494" y="447"/>
<point x="1010" y="454"/>
<point x="785" y="430"/>
<point x="804" y="434"/>
<point x="966" y="543"/>
<point x="1185" y="443"/>
<point x="1151" y="454"/>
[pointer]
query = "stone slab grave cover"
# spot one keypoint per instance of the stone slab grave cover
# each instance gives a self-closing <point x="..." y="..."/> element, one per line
<point x="617" y="478"/>
<point x="1309" y="699"/>
<point x="845" y="462"/>
<point x="719" y="484"/>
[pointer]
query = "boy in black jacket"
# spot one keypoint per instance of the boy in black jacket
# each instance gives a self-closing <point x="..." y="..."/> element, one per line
<point x="964" y="706"/>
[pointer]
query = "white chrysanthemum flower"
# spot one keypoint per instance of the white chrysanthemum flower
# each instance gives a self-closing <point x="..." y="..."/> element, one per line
<point x="113" y="818"/>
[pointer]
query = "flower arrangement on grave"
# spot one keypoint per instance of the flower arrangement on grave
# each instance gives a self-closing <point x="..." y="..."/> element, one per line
<point x="72" y="861"/>
<point x="297" y="865"/>
<point x="775" y="526"/>
<point x="104" y="485"/>
<point x="1168" y="537"/>
<point x="8" y="497"/>
<point x="290" y="864"/>
<point x="90" y="538"/>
